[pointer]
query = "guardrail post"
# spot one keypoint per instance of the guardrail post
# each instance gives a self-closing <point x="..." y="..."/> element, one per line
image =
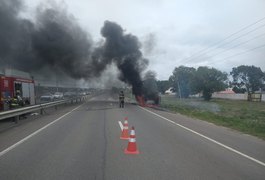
<point x="41" y="111"/>
<point x="16" y="119"/>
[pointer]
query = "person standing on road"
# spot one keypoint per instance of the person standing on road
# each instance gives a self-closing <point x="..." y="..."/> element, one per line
<point x="121" y="99"/>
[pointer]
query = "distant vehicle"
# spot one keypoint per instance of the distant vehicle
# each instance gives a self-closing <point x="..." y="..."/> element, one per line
<point x="58" y="95"/>
<point x="47" y="97"/>
<point x="69" y="94"/>
<point x="81" y="93"/>
<point x="170" y="91"/>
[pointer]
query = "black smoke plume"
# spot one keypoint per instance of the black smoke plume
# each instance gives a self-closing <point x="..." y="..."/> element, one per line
<point x="15" y="36"/>
<point x="55" y="41"/>
<point x="150" y="89"/>
<point x="60" y="43"/>
<point x="124" y="50"/>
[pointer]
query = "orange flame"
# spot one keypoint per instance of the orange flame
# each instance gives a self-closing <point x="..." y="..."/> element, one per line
<point x="140" y="100"/>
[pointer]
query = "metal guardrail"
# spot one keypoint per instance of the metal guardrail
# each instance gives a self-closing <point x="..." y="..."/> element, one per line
<point x="20" y="111"/>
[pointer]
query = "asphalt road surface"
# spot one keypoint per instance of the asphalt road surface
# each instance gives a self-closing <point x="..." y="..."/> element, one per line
<point x="82" y="142"/>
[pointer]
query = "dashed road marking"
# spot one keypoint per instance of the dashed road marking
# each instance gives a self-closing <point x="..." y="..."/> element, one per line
<point x="121" y="126"/>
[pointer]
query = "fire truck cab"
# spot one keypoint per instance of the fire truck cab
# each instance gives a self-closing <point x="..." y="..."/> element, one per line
<point x="16" y="84"/>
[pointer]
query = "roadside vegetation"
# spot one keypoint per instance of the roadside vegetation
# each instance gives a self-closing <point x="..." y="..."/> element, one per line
<point x="247" y="117"/>
<point x="186" y="81"/>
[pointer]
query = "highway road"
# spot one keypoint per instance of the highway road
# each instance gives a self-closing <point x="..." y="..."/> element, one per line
<point x="82" y="142"/>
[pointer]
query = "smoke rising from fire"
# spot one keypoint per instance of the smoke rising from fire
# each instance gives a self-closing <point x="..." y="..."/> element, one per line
<point x="59" y="42"/>
<point x="55" y="41"/>
<point x="123" y="49"/>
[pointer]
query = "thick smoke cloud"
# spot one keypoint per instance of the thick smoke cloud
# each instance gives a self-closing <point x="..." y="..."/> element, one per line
<point x="55" y="41"/>
<point x="9" y="26"/>
<point x="60" y="43"/>
<point x="123" y="49"/>
<point x="15" y="36"/>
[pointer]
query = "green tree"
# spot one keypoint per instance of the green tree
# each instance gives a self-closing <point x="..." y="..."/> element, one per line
<point x="263" y="83"/>
<point x="208" y="80"/>
<point x="163" y="86"/>
<point x="181" y="80"/>
<point x="249" y="77"/>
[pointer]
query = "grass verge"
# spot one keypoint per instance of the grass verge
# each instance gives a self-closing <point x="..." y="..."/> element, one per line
<point x="244" y="116"/>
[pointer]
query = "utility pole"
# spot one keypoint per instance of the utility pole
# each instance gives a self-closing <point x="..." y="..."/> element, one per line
<point x="179" y="90"/>
<point x="56" y="83"/>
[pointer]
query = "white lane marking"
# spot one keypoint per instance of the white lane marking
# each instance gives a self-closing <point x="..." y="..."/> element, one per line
<point x="121" y="126"/>
<point x="36" y="132"/>
<point x="210" y="139"/>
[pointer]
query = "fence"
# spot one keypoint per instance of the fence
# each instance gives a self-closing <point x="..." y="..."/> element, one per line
<point x="263" y="97"/>
<point x="256" y="97"/>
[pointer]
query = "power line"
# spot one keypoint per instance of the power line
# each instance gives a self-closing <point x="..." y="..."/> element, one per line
<point x="217" y="43"/>
<point x="229" y="41"/>
<point x="237" y="45"/>
<point x="244" y="52"/>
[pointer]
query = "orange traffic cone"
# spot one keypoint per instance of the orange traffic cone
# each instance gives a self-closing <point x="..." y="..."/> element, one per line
<point x="125" y="131"/>
<point x="132" y="147"/>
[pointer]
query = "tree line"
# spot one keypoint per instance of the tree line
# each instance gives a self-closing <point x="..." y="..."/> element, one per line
<point x="188" y="80"/>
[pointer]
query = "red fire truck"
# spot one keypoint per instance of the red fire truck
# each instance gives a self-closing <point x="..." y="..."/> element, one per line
<point x="16" y="85"/>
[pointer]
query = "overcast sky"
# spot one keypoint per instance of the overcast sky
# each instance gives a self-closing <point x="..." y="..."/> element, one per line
<point x="172" y="32"/>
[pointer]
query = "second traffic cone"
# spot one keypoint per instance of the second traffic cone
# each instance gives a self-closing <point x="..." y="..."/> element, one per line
<point x="132" y="147"/>
<point x="125" y="131"/>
